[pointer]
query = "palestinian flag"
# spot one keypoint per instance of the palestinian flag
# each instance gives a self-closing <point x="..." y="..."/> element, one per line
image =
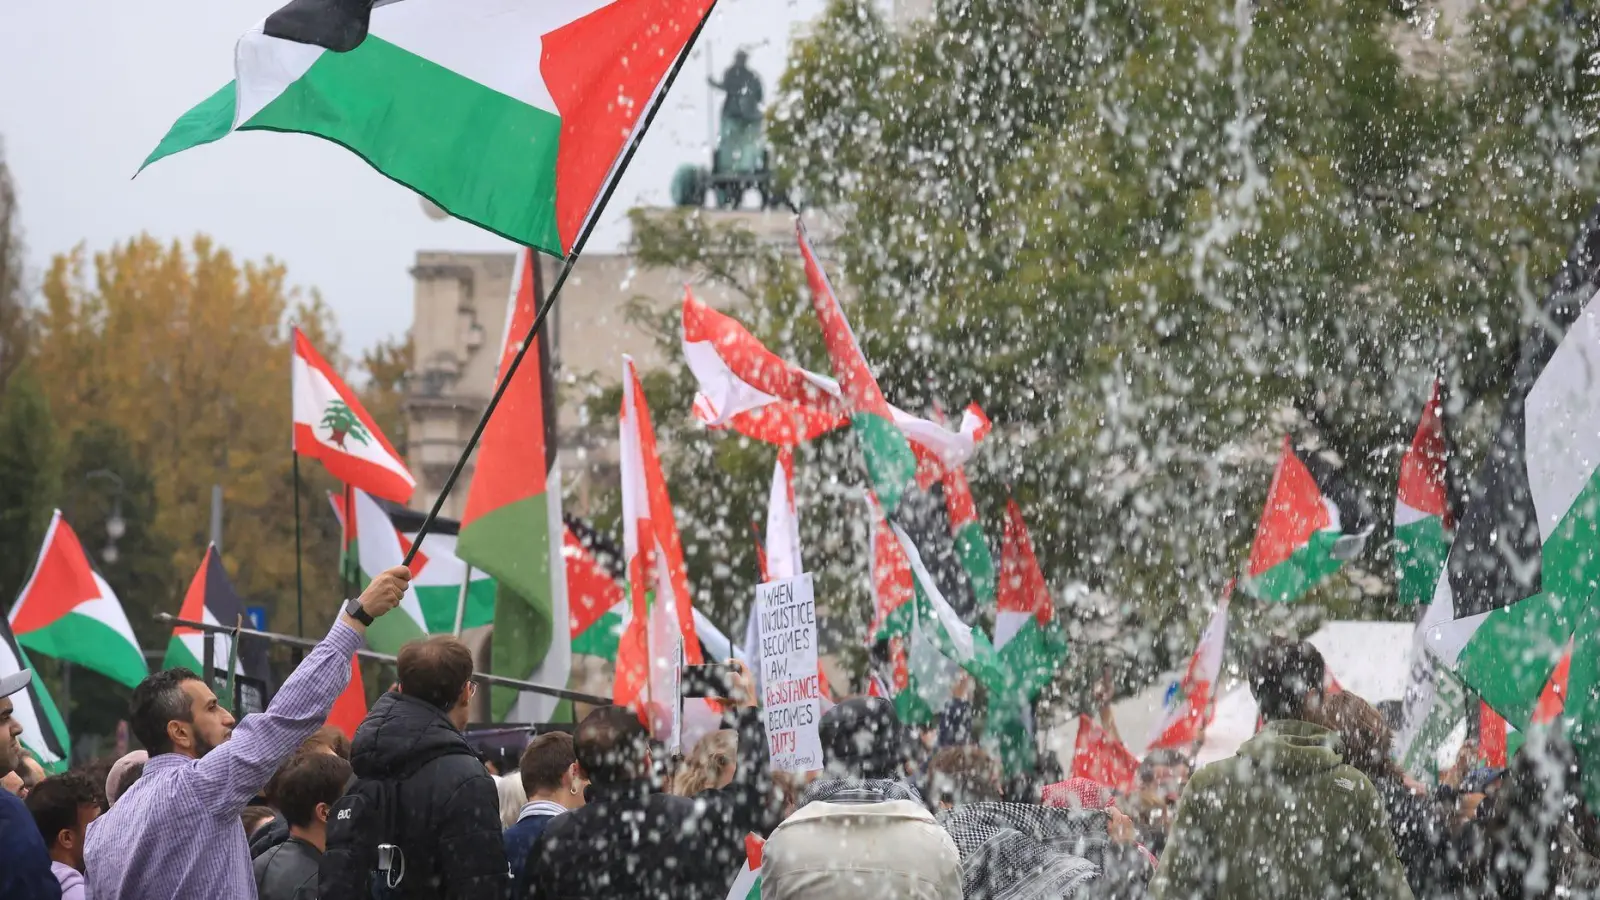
<point x="1027" y="637"/>
<point x="510" y="114"/>
<point x="1421" y="510"/>
<point x="351" y="706"/>
<point x="662" y="619"/>
<point x="1189" y="704"/>
<point x="436" y="571"/>
<point x="1525" y="564"/>
<point x="373" y="544"/>
<point x="971" y="547"/>
<point x="512" y="525"/>
<point x="212" y="599"/>
<point x="1101" y="758"/>
<point x="912" y="610"/>
<point x="67" y="611"/>
<point x="596" y="604"/>
<point x="1312" y="525"/>
<point x="330" y="424"/>
<point x="890" y="464"/>
<point x="747" y="881"/>
<point x="748" y="389"/>
<point x="43" y="731"/>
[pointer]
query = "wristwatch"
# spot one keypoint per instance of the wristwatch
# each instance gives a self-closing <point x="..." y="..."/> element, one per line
<point x="357" y="611"/>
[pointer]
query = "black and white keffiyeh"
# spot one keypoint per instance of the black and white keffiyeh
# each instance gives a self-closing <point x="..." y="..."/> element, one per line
<point x="1017" y="851"/>
<point x="859" y="790"/>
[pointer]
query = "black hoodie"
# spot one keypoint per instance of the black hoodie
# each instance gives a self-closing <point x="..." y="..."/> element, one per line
<point x="449" y="808"/>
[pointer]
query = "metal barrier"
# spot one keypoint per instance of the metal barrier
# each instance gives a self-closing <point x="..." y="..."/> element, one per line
<point x="210" y="631"/>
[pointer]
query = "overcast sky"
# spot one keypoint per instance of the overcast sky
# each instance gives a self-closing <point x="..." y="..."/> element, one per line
<point x="90" y="87"/>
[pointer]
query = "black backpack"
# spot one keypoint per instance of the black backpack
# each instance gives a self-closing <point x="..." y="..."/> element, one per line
<point x="364" y="856"/>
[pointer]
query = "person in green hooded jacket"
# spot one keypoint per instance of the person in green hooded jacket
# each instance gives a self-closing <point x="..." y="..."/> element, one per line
<point x="1286" y="817"/>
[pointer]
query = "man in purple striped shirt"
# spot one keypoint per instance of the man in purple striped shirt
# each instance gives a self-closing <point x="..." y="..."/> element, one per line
<point x="176" y="834"/>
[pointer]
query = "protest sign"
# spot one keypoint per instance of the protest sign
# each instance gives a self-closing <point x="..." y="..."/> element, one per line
<point x="786" y="612"/>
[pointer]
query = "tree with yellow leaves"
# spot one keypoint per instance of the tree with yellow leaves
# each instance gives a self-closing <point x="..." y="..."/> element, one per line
<point x="183" y="353"/>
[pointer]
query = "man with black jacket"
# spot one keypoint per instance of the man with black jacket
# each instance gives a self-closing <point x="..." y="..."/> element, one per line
<point x="447" y="809"/>
<point x="631" y="843"/>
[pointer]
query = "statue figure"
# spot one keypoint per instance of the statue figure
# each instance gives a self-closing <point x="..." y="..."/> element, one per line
<point x="739" y="149"/>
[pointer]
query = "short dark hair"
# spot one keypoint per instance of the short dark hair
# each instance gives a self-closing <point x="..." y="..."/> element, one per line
<point x="545" y="759"/>
<point x="254" y="817"/>
<point x="861" y="738"/>
<point x="1282" y="674"/>
<point x="611" y="745"/>
<point x="435" y="670"/>
<point x="1158" y="758"/>
<point x="54" y="803"/>
<point x="962" y="775"/>
<point x="157" y="700"/>
<point x="309" y="779"/>
<point x="329" y="737"/>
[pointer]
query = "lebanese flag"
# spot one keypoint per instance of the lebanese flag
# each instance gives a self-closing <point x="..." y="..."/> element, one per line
<point x="1100" y="758"/>
<point x="1422" y="528"/>
<point x="511" y="115"/>
<point x="330" y="424"/>
<point x="746" y="388"/>
<point x="1311" y="525"/>
<point x="662" y="617"/>
<point x="67" y="611"/>
<point x="211" y="598"/>
<point x="351" y="705"/>
<point x="1189" y="703"/>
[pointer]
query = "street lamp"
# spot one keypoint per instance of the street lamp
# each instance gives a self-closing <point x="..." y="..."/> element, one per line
<point x="116" y="526"/>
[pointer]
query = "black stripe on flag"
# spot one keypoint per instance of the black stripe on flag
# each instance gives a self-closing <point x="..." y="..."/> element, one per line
<point x="1496" y="559"/>
<point x="337" y="25"/>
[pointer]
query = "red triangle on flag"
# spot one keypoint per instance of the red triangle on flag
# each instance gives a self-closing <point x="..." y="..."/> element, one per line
<point x="351" y="707"/>
<point x="1422" y="469"/>
<point x="61" y="580"/>
<point x="1294" y="511"/>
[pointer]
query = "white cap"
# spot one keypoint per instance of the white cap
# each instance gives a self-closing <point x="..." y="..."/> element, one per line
<point x="16" y="681"/>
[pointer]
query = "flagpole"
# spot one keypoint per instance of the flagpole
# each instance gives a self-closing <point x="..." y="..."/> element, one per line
<point x="461" y="599"/>
<point x="299" y="576"/>
<point x="549" y="301"/>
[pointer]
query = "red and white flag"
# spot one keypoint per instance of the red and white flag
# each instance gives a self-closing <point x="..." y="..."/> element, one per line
<point x="330" y="424"/>
<point x="1189" y="705"/>
<point x="1098" y="756"/>
<point x="749" y="389"/>
<point x="662" y="619"/>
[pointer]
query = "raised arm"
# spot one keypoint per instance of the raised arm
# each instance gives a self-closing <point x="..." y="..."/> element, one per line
<point x="230" y="775"/>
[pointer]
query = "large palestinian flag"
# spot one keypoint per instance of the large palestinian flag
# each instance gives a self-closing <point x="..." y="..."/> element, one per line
<point x="748" y="389"/>
<point x="330" y="424"/>
<point x="1422" y="526"/>
<point x="1524" y="567"/>
<point x="43" y="732"/>
<point x="661" y="626"/>
<point x="1311" y="525"/>
<point x="512" y="525"/>
<point x="511" y="114"/>
<point x="66" y="610"/>
<point x="212" y="599"/>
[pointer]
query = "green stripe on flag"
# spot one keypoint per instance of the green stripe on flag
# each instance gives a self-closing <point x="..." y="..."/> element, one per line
<point x="210" y="121"/>
<point x="1419" y="555"/>
<point x="179" y="654"/>
<point x="90" y="643"/>
<point x="439" y="604"/>
<point x="1303" y="570"/>
<point x="601" y="638"/>
<point x="973" y="552"/>
<point x="891" y="465"/>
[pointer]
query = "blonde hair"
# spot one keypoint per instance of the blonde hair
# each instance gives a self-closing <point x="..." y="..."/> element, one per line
<point x="702" y="768"/>
<point x="512" y="798"/>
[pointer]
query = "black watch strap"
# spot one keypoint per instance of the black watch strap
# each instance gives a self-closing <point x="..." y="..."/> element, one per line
<point x="358" y="612"/>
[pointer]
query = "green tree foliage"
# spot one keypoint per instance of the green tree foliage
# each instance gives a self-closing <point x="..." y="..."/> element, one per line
<point x="30" y="461"/>
<point x="1149" y="238"/>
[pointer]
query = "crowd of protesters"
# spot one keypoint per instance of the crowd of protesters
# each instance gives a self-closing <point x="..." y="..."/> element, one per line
<point x="284" y="808"/>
